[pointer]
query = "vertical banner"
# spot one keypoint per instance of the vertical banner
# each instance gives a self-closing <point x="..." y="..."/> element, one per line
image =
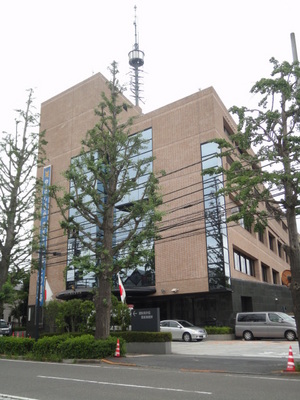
<point x="40" y="289"/>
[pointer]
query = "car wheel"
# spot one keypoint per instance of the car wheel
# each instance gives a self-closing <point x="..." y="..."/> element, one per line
<point x="290" y="336"/>
<point x="186" y="337"/>
<point x="248" y="335"/>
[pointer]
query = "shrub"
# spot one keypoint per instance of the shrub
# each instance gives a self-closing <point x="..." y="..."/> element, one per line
<point x="218" y="330"/>
<point x="134" y="336"/>
<point x="120" y="315"/>
<point x="46" y="347"/>
<point x="77" y="347"/>
<point x="87" y="347"/>
<point x="16" y="346"/>
<point x="68" y="316"/>
<point x="19" y="328"/>
<point x="72" y="346"/>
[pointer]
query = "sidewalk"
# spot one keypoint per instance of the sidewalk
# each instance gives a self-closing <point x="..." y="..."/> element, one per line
<point x="233" y="356"/>
<point x="238" y="348"/>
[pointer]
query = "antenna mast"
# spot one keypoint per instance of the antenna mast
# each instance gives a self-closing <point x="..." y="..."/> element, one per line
<point x="136" y="60"/>
<point x="295" y="55"/>
<point x="294" y="47"/>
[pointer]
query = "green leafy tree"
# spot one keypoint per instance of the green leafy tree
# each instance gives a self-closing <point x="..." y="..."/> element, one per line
<point x="107" y="170"/>
<point x="120" y="315"/>
<point x="69" y="316"/>
<point x="15" y="294"/>
<point x="263" y="177"/>
<point x="20" y="153"/>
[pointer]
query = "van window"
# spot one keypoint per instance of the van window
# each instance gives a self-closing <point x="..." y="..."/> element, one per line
<point x="252" y="318"/>
<point x="274" y="317"/>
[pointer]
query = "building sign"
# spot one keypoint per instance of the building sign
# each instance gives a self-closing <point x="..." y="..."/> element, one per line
<point x="145" y="319"/>
<point x="40" y="289"/>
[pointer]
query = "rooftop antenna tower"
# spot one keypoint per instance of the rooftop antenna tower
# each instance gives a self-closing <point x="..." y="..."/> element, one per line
<point x="136" y="60"/>
<point x="294" y="47"/>
<point x="295" y="54"/>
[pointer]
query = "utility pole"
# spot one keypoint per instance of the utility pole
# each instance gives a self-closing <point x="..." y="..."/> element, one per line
<point x="37" y="305"/>
<point x="39" y="295"/>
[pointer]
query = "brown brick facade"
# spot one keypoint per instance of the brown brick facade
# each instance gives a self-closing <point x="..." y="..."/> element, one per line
<point x="178" y="130"/>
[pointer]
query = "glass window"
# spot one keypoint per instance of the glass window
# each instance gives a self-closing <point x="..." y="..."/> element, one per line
<point x="274" y="317"/>
<point x="243" y="263"/>
<point x="279" y="249"/>
<point x="209" y="148"/>
<point x="215" y="221"/>
<point x="264" y="270"/>
<point x="275" y="276"/>
<point x="142" y="275"/>
<point x="271" y="242"/>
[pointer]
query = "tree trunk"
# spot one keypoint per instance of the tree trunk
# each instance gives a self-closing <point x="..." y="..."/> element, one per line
<point x="295" y="285"/>
<point x="294" y="254"/>
<point x="3" y="279"/>
<point x="103" y="308"/>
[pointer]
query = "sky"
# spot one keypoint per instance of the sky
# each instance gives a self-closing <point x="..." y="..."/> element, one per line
<point x="51" y="45"/>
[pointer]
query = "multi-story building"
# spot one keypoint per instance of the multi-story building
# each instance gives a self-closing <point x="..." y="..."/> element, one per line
<point x="205" y="270"/>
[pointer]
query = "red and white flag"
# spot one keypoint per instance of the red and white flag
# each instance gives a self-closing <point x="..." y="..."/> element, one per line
<point x="122" y="290"/>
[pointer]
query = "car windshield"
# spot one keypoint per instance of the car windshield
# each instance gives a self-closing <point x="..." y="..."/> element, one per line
<point x="185" y="323"/>
<point x="286" y="317"/>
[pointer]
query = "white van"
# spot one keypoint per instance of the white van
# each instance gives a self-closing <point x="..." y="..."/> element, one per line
<point x="265" y="324"/>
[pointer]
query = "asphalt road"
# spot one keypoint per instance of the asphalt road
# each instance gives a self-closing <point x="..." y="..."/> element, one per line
<point x="50" y="381"/>
<point x="215" y="370"/>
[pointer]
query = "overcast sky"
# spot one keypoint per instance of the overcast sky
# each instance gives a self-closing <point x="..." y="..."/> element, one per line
<point x="51" y="45"/>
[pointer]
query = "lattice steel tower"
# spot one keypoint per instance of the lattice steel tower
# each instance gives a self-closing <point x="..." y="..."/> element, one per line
<point x="136" y="60"/>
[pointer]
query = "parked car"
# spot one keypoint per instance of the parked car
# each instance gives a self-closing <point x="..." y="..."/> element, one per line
<point x="4" y="328"/>
<point x="268" y="324"/>
<point x="183" y="330"/>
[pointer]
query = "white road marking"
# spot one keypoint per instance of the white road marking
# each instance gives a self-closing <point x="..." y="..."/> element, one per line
<point x="8" y="396"/>
<point x="123" y="385"/>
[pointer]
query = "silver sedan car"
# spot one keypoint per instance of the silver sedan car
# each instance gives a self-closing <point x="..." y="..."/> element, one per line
<point x="183" y="330"/>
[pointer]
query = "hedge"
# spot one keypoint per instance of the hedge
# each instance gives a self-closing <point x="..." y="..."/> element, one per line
<point x="218" y="330"/>
<point x="60" y="347"/>
<point x="134" y="336"/>
<point x="16" y="346"/>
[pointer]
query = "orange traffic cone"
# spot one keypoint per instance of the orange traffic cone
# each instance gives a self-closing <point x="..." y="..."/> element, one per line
<point x="117" y="352"/>
<point x="290" y="364"/>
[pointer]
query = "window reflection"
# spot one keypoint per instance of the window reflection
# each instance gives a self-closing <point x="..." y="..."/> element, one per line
<point x="215" y="221"/>
<point x="141" y="275"/>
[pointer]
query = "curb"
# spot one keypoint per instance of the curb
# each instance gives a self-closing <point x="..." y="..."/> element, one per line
<point x="118" y="363"/>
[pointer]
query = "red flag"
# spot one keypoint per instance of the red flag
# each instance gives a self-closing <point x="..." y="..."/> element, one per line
<point x="122" y="290"/>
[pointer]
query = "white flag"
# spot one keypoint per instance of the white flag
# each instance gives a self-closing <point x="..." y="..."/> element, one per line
<point x="122" y="290"/>
<point x="48" y="292"/>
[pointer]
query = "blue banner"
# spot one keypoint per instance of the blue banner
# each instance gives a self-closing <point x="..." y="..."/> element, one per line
<point x="40" y="289"/>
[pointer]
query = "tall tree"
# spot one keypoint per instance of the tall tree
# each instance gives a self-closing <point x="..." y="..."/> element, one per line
<point x="115" y="228"/>
<point x="263" y="178"/>
<point x="20" y="153"/>
<point x="14" y="293"/>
